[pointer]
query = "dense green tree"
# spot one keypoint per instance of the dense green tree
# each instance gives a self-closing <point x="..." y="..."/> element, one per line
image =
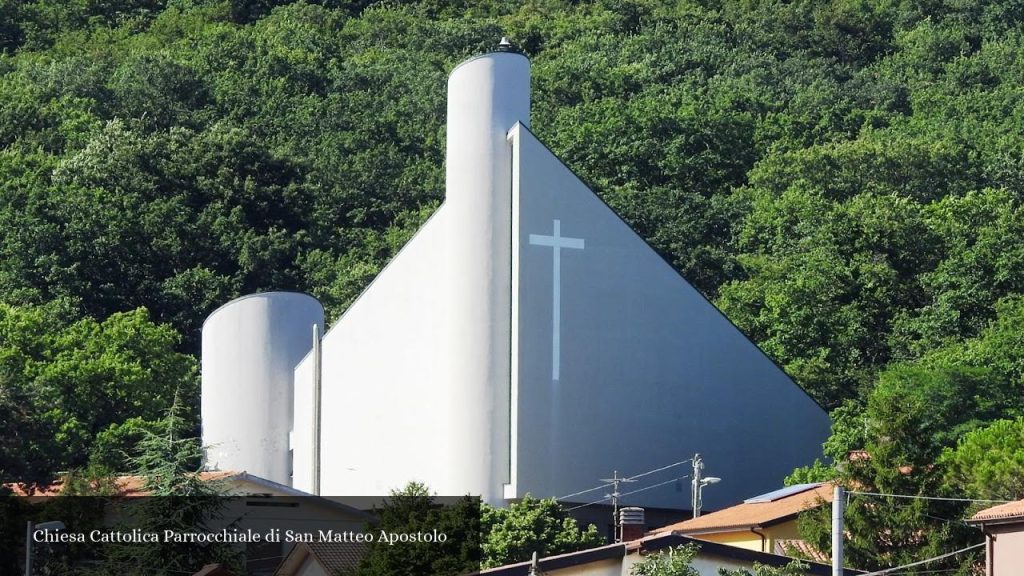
<point x="894" y="447"/>
<point x="169" y="461"/>
<point x="413" y="509"/>
<point x="842" y="178"/>
<point x="794" y="568"/>
<point x="530" y="525"/>
<point x="673" y="562"/>
<point x="988" y="463"/>
<point x="479" y="535"/>
<point x="64" y="384"/>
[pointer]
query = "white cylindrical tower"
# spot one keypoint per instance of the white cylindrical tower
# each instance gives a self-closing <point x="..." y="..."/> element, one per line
<point x="251" y="347"/>
<point x="487" y="95"/>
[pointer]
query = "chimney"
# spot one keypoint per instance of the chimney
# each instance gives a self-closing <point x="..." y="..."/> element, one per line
<point x="631" y="524"/>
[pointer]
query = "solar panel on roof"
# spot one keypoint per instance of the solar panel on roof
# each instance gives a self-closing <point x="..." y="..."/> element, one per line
<point x="781" y="493"/>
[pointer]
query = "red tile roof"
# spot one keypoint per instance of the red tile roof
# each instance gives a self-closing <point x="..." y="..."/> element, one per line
<point x="128" y="486"/>
<point x="213" y="570"/>
<point x="752" y="514"/>
<point x="338" y="557"/>
<point x="333" y="557"/>
<point x="797" y="548"/>
<point x="1007" y="511"/>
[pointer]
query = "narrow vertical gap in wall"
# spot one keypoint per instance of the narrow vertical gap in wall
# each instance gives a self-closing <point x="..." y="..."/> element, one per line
<point x="513" y="333"/>
<point x="511" y="291"/>
<point x="317" y="411"/>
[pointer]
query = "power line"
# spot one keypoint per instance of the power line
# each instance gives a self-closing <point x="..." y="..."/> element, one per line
<point x="949" y="520"/>
<point x="925" y="561"/>
<point x="937" y="571"/>
<point x="640" y="475"/>
<point x="584" y="491"/>
<point x="656" y="485"/>
<point x="929" y="497"/>
<point x="662" y="468"/>
<point x="608" y="497"/>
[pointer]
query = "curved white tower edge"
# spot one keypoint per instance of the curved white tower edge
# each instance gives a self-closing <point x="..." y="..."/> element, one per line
<point x="250" y="348"/>
<point x="487" y="96"/>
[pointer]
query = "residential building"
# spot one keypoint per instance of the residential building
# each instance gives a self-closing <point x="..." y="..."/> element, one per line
<point x="765" y="523"/>
<point x="1003" y="526"/>
<point x="321" y="559"/>
<point x="619" y="559"/>
<point x="251" y="503"/>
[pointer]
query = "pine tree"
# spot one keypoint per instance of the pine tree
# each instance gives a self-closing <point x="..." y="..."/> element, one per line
<point x="179" y="500"/>
<point x="413" y="509"/>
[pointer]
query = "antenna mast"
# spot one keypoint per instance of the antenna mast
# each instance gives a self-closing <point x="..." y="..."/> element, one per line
<point x="614" y="480"/>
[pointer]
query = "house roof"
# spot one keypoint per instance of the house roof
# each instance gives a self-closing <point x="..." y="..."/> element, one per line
<point x="127" y="485"/>
<point x="560" y="561"/>
<point x="134" y="486"/>
<point x="333" y="557"/>
<point x="762" y="511"/>
<point x="213" y="570"/>
<point x="338" y="556"/>
<point x="651" y="544"/>
<point x="798" y="548"/>
<point x="1010" y="511"/>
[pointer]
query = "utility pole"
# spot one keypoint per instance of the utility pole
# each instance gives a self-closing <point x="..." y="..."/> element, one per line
<point x="30" y="530"/>
<point x="614" y="480"/>
<point x="534" y="564"/>
<point x="28" y="548"/>
<point x="698" y="465"/>
<point x="699" y="483"/>
<point x="838" y="503"/>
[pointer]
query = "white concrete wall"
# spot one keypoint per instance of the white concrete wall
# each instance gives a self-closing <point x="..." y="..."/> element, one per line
<point x="302" y="426"/>
<point x="387" y="413"/>
<point x="649" y="371"/>
<point x="416" y="372"/>
<point x="443" y="370"/>
<point x="250" y="348"/>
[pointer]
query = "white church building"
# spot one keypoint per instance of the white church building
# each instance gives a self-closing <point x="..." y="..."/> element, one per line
<point x="526" y="340"/>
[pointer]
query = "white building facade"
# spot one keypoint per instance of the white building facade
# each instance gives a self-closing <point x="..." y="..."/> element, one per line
<point x="525" y="340"/>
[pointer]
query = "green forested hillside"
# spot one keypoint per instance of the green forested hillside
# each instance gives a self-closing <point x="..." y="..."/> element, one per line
<point x="843" y="178"/>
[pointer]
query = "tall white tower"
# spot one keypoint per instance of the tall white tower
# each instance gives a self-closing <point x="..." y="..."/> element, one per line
<point x="487" y="96"/>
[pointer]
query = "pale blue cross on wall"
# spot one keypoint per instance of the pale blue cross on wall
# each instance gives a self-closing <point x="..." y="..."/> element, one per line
<point x="557" y="242"/>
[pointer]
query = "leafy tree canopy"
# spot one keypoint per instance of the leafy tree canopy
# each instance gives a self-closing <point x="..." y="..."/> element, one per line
<point x="673" y="562"/>
<point x="413" y="509"/>
<point x="65" y="385"/>
<point x="988" y="463"/>
<point x="530" y="525"/>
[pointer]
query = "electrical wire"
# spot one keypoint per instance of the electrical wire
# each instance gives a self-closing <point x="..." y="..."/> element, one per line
<point x="655" y="485"/>
<point x="925" y="561"/>
<point x="631" y="478"/>
<point x="584" y="491"/>
<point x="609" y="496"/>
<point x="948" y="520"/>
<point x="937" y="571"/>
<point x="942" y="498"/>
<point x="660" y="469"/>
